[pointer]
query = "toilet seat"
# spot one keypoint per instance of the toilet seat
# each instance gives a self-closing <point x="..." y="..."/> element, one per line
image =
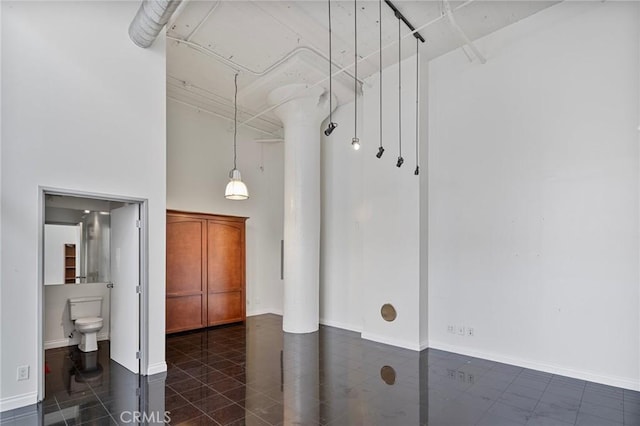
<point x="88" y="321"/>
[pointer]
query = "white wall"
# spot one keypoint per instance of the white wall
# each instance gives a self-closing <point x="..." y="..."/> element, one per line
<point x="391" y="212"/>
<point x="370" y="224"/>
<point x="341" y="261"/>
<point x="533" y="194"/>
<point x="199" y="157"/>
<point x="84" y="109"/>
<point x="57" y="322"/>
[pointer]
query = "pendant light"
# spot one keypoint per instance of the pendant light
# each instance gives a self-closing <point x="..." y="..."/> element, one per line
<point x="331" y="127"/>
<point x="355" y="142"/>
<point x="417" y="170"/>
<point x="236" y="189"/>
<point x="400" y="159"/>
<point x="380" y="148"/>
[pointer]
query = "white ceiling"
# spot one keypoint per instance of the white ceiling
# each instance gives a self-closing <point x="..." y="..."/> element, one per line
<point x="273" y="43"/>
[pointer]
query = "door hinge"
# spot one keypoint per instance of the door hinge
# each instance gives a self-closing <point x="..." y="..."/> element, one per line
<point x="138" y="289"/>
<point x="138" y="224"/>
<point x="138" y="355"/>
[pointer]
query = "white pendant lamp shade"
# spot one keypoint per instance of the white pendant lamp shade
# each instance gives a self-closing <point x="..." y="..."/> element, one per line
<point x="236" y="189"/>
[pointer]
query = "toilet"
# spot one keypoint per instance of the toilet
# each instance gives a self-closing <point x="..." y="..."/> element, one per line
<point x="85" y="313"/>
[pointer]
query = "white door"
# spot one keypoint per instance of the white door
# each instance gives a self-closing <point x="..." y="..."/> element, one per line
<point x="125" y="275"/>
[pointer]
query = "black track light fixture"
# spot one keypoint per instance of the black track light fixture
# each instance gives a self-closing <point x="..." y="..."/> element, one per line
<point x="380" y="152"/>
<point x="331" y="127"/>
<point x="399" y="162"/>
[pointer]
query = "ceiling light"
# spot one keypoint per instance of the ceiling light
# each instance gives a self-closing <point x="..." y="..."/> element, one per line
<point x="87" y="211"/>
<point x="355" y="143"/>
<point x="236" y="189"/>
<point x="104" y="213"/>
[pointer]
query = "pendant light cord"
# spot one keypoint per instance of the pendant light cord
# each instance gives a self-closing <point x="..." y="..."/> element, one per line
<point x="330" y="69"/>
<point x="235" y="120"/>
<point x="355" y="78"/>
<point x="380" y="63"/>
<point x="399" y="90"/>
<point x="417" y="171"/>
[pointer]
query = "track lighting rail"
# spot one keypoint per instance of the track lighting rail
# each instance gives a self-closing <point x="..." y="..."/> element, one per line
<point x="400" y="16"/>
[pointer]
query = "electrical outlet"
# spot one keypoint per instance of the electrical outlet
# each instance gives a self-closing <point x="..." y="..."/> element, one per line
<point x="461" y="330"/>
<point x="451" y="329"/>
<point x="23" y="372"/>
<point x="470" y="331"/>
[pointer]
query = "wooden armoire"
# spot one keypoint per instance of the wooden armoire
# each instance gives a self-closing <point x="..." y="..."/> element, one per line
<point x="205" y="270"/>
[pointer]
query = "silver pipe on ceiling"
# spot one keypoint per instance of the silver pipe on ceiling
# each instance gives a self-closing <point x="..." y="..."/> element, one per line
<point x="151" y="17"/>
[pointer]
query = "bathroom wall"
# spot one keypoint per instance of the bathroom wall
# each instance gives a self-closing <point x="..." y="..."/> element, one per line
<point x="57" y="325"/>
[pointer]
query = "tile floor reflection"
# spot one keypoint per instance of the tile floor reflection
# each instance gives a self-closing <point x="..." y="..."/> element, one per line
<point x="254" y="374"/>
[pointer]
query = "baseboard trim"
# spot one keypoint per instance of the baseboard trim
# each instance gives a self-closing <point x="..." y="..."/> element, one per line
<point x="18" y="401"/>
<point x="390" y="341"/>
<point x="424" y="345"/>
<point x="620" y="382"/>
<point x="263" y="312"/>
<point x="156" y="368"/>
<point x="340" y="325"/>
<point x="61" y="343"/>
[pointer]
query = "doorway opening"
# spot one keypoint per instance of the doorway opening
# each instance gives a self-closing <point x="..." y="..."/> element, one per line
<point x="93" y="291"/>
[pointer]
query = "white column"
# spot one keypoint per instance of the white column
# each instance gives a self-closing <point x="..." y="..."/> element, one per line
<point x="301" y="111"/>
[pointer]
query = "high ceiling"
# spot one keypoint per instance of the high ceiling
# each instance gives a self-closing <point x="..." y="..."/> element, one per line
<point x="273" y="43"/>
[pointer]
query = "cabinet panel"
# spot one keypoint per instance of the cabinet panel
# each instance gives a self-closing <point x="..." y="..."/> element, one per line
<point x="184" y="313"/>
<point x="186" y="248"/>
<point x="225" y="257"/>
<point x="225" y="307"/>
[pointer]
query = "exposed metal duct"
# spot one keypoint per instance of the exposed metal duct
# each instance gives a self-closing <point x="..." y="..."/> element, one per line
<point x="152" y="16"/>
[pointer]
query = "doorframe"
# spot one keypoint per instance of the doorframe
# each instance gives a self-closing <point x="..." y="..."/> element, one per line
<point x="143" y="258"/>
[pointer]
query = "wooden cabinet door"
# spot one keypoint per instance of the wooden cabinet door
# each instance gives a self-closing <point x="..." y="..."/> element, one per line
<point x="186" y="304"/>
<point x="225" y="271"/>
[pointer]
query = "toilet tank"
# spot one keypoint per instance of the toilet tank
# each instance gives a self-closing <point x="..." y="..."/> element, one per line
<point x="82" y="307"/>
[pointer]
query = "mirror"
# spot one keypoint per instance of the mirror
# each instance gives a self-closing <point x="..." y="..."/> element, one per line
<point x="77" y="240"/>
<point x="62" y="253"/>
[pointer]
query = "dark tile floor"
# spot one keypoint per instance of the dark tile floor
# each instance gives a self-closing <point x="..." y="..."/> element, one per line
<point x="254" y="374"/>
